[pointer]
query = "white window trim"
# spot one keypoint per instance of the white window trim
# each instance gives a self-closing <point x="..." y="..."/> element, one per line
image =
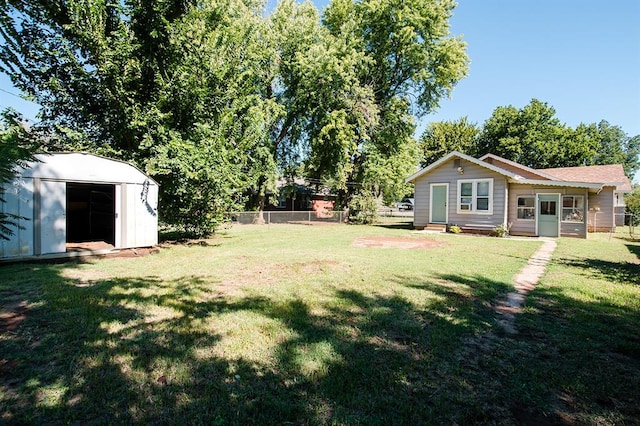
<point x="474" y="196"/>
<point x="535" y="210"/>
<point x="574" y="201"/>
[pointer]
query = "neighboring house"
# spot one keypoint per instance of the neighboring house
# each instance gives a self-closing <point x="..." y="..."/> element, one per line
<point x="72" y="198"/>
<point x="299" y="195"/>
<point x="481" y="194"/>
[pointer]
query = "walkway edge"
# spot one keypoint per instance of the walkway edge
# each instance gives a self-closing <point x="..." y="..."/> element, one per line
<point x="525" y="282"/>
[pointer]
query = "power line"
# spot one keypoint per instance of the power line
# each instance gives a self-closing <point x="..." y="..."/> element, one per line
<point x="17" y="96"/>
<point x="12" y="94"/>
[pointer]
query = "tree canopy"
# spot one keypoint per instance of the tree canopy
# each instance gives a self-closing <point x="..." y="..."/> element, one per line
<point x="535" y="137"/>
<point x="440" y="138"/>
<point x="215" y="98"/>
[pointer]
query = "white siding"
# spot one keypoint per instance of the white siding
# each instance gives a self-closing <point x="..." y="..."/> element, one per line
<point x="18" y="198"/>
<point x="140" y="215"/>
<point x="53" y="217"/>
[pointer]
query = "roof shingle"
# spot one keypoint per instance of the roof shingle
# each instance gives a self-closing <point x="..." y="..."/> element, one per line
<point x="612" y="173"/>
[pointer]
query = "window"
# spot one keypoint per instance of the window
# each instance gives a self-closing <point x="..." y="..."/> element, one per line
<point x="548" y="208"/>
<point x="526" y="208"/>
<point x="573" y="208"/>
<point x="475" y="196"/>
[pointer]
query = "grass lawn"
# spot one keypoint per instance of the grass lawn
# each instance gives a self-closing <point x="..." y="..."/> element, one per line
<point x="302" y="325"/>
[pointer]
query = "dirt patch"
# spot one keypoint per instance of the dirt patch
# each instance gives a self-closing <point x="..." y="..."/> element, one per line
<point x="133" y="252"/>
<point x="397" y="242"/>
<point x="12" y="315"/>
<point x="89" y="246"/>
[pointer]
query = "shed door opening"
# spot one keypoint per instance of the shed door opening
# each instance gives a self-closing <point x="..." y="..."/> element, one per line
<point x="91" y="213"/>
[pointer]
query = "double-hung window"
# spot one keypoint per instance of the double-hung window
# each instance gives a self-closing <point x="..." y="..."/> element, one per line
<point x="475" y="196"/>
<point x="573" y="208"/>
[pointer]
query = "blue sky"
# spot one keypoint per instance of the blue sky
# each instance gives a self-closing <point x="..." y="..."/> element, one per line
<point x="582" y="57"/>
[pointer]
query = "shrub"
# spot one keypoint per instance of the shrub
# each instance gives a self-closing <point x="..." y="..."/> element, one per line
<point x="502" y="230"/>
<point x="455" y="229"/>
<point x="363" y="209"/>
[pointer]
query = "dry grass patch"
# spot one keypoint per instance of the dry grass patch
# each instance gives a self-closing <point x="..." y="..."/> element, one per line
<point x="381" y="241"/>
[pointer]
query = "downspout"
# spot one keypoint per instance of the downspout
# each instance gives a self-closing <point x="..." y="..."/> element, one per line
<point x="505" y="220"/>
<point x="586" y="216"/>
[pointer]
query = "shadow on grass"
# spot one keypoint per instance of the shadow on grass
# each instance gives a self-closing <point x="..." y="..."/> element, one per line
<point x="395" y="225"/>
<point x="132" y="350"/>
<point x="622" y="272"/>
<point x="635" y="249"/>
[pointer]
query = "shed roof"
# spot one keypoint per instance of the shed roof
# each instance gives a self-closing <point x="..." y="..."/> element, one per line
<point x="608" y="175"/>
<point x="82" y="167"/>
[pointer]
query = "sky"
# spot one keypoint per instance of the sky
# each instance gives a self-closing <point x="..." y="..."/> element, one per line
<point x="582" y="57"/>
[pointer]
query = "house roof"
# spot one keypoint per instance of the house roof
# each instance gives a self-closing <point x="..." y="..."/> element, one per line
<point x="607" y="175"/>
<point x="465" y="157"/>
<point x="592" y="187"/>
<point x="593" y="178"/>
<point x="528" y="170"/>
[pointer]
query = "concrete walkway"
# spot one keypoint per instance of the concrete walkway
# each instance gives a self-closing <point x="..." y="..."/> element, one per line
<point x="525" y="282"/>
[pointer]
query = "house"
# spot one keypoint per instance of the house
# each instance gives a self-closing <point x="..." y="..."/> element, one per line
<point x="301" y="195"/>
<point x="68" y="199"/>
<point x="481" y="194"/>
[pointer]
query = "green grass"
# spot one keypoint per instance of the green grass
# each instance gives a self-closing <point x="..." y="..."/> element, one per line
<point x="294" y="324"/>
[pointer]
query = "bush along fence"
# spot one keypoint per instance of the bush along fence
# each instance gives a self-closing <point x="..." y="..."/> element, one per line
<point x="280" y="217"/>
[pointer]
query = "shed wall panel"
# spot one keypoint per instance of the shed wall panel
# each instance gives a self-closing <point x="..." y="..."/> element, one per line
<point x="141" y="217"/>
<point x="421" y="203"/>
<point x="53" y="217"/>
<point x="18" y="196"/>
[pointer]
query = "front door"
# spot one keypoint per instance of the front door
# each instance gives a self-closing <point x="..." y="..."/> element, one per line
<point x="548" y="215"/>
<point x="438" y="203"/>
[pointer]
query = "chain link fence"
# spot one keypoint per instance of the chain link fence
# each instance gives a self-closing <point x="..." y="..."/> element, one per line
<point x="293" y="217"/>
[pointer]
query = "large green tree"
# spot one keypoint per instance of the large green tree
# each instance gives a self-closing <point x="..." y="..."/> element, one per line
<point x="178" y="87"/>
<point x="410" y="61"/>
<point x="213" y="98"/>
<point x="632" y="200"/>
<point x="532" y="136"/>
<point x="442" y="137"/>
<point x="535" y="137"/>
<point x="616" y="147"/>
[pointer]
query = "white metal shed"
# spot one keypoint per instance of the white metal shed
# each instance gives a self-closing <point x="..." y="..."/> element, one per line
<point x="75" y="198"/>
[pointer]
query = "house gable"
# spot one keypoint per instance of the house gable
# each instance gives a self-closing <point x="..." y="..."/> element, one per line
<point x="514" y="167"/>
<point x="478" y="210"/>
<point x="455" y="155"/>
